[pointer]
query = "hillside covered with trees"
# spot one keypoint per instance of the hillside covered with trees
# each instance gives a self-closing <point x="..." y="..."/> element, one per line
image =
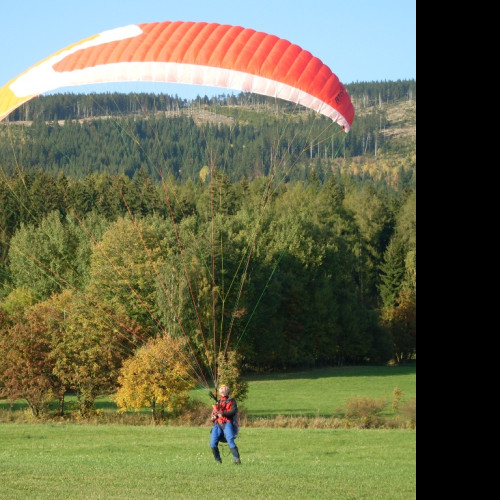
<point x="238" y="219"/>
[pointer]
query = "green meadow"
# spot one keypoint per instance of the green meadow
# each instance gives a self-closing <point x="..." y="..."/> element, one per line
<point x="82" y="461"/>
<point x="122" y="462"/>
<point x="325" y="392"/>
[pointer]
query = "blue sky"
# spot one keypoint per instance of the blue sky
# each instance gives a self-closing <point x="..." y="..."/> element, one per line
<point x="360" y="40"/>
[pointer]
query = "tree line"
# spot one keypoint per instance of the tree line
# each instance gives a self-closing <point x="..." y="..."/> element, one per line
<point x="83" y="106"/>
<point x="126" y="238"/>
<point x="251" y="142"/>
<point x="294" y="275"/>
<point x="255" y="144"/>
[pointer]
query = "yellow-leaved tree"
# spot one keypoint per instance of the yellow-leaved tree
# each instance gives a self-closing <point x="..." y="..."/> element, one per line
<point x="155" y="377"/>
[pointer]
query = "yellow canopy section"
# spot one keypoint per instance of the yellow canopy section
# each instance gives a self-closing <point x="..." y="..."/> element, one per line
<point x="9" y="101"/>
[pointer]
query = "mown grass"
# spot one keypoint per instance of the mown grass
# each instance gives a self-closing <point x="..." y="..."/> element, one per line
<point x="43" y="461"/>
<point x="293" y="459"/>
<point x="324" y="392"/>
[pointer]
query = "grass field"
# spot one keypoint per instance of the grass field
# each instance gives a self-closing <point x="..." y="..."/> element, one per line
<point x="60" y="460"/>
<point x="322" y="392"/>
<point x="119" y="462"/>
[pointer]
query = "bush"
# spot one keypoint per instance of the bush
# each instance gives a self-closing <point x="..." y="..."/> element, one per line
<point x="365" y="411"/>
<point x="195" y="413"/>
<point x="409" y="411"/>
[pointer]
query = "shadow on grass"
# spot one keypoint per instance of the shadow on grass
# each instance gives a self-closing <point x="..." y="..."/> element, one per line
<point x="70" y="404"/>
<point x="340" y="371"/>
<point x="16" y="406"/>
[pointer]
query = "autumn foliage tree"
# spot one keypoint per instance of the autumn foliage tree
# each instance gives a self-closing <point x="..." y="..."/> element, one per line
<point x="91" y="348"/>
<point x="401" y="321"/>
<point x="156" y="377"/>
<point x="398" y="288"/>
<point x="27" y="365"/>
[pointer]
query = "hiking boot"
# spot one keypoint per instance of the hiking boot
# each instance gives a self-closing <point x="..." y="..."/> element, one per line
<point x="216" y="453"/>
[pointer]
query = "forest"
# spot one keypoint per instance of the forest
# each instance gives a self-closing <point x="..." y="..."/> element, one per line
<point x="236" y="224"/>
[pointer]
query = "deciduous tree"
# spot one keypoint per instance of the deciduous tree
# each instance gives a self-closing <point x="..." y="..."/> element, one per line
<point x="156" y="377"/>
<point x="91" y="347"/>
<point x="27" y="365"/>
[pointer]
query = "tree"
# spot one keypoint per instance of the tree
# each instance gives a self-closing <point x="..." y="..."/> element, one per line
<point x="4" y="325"/>
<point x="143" y="198"/>
<point x="17" y="301"/>
<point x="398" y="288"/>
<point x="401" y="321"/>
<point x="91" y="347"/>
<point x="123" y="267"/>
<point x="374" y="224"/>
<point x="27" y="365"/>
<point x="229" y="373"/>
<point x="156" y="378"/>
<point x="50" y="257"/>
<point x="393" y="273"/>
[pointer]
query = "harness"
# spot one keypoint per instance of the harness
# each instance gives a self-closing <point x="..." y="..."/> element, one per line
<point x="225" y="406"/>
<point x="222" y="407"/>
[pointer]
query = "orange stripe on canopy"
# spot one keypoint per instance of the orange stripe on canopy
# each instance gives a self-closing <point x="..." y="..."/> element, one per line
<point x="194" y="53"/>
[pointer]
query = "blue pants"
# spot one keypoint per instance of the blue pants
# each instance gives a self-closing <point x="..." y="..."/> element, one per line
<point x="218" y="434"/>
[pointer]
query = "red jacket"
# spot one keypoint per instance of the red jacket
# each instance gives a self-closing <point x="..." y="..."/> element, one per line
<point x="227" y="408"/>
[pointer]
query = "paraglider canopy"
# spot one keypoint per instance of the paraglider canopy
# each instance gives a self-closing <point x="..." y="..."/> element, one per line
<point x="204" y="54"/>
